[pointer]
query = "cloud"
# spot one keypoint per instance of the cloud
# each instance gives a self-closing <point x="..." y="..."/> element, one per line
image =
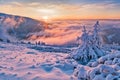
<point x="63" y="8"/>
<point x="64" y="4"/>
<point x="17" y="4"/>
<point x="101" y="5"/>
<point x="35" y="1"/>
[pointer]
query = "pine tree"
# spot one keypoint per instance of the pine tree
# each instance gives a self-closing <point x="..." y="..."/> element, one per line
<point x="96" y="37"/>
<point x="90" y="47"/>
<point x="96" y="40"/>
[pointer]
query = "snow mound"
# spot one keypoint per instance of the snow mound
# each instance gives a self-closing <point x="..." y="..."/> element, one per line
<point x="105" y="68"/>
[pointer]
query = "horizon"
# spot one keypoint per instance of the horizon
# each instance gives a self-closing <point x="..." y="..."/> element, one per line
<point x="60" y="10"/>
<point x="59" y="19"/>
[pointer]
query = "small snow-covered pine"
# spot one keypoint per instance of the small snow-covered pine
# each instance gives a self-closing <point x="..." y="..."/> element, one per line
<point x="90" y="47"/>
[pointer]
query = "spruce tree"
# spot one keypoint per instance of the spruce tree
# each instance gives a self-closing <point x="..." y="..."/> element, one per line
<point x="90" y="47"/>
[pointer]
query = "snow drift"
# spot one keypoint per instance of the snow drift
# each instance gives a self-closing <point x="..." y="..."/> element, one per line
<point x="105" y="68"/>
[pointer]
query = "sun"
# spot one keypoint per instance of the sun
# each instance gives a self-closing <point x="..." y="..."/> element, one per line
<point x="45" y="18"/>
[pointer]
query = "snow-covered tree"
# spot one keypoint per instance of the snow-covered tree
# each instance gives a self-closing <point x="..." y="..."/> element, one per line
<point x="90" y="47"/>
<point x="96" y="37"/>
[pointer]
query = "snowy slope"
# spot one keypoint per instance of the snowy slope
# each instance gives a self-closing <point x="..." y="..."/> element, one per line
<point x="17" y="62"/>
<point x="21" y="63"/>
<point x="18" y="27"/>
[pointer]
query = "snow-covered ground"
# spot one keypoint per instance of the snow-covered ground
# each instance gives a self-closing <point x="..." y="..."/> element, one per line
<point x="21" y="63"/>
<point x="56" y="58"/>
<point x="17" y="62"/>
<point x="105" y="68"/>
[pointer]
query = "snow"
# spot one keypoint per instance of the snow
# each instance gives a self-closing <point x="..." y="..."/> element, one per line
<point x="91" y="47"/>
<point x="106" y="67"/>
<point x="30" y="61"/>
<point x="99" y="70"/>
<point x="21" y="63"/>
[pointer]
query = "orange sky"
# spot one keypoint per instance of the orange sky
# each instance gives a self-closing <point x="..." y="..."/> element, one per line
<point x="39" y="10"/>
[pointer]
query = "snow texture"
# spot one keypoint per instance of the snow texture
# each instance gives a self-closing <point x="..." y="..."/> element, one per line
<point x="105" y="68"/>
<point x="21" y="63"/>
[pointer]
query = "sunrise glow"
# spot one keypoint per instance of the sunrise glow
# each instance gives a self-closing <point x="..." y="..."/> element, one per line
<point x="73" y="9"/>
<point x="45" y="18"/>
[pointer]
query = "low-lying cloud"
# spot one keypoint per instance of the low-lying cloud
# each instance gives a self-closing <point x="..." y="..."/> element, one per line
<point x="63" y="32"/>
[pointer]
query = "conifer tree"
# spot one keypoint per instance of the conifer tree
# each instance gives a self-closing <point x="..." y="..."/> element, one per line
<point x="90" y="47"/>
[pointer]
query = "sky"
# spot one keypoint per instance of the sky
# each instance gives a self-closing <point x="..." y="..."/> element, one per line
<point x="62" y="9"/>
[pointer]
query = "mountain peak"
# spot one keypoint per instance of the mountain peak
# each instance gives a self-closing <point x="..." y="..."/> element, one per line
<point x="18" y="26"/>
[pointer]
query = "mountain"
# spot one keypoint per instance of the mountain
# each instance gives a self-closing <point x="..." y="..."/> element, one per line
<point x="12" y="26"/>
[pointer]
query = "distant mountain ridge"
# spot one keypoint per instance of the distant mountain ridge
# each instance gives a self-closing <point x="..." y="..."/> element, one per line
<point x="18" y="27"/>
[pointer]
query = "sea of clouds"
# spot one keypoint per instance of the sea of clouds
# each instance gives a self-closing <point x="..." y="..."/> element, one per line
<point x="67" y="31"/>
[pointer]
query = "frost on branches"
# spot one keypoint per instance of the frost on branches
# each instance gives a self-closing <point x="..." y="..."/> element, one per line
<point x="90" y="48"/>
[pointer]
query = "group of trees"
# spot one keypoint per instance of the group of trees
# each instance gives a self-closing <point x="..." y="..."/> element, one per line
<point x="90" y="47"/>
